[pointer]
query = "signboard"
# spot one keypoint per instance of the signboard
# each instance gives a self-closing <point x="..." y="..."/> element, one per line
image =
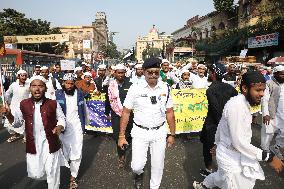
<point x="87" y="56"/>
<point x="10" y="46"/>
<point x="86" y="44"/>
<point x="263" y="40"/>
<point x="52" y="38"/>
<point x="243" y="53"/>
<point x="67" y="64"/>
<point x="2" y="49"/>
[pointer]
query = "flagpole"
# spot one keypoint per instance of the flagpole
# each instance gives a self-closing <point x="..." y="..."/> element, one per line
<point x="1" y="86"/>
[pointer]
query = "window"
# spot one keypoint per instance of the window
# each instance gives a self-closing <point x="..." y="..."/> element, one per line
<point x="221" y="26"/>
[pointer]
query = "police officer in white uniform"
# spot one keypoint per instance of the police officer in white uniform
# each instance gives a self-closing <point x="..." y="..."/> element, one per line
<point x="152" y="106"/>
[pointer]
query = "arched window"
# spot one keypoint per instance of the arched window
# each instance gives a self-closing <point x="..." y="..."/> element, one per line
<point x="206" y="33"/>
<point x="213" y="28"/>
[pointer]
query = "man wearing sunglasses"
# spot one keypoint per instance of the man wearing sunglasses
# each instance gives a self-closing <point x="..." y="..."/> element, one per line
<point x="152" y="106"/>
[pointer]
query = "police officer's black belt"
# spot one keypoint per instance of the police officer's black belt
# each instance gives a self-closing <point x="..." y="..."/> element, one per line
<point x="149" y="128"/>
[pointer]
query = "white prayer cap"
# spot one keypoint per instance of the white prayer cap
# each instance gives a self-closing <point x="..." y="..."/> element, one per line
<point x="268" y="68"/>
<point x="119" y="67"/>
<point x="279" y="68"/>
<point x="201" y="66"/>
<point x="88" y="65"/>
<point x="130" y="64"/>
<point x="138" y="66"/>
<point x="69" y="76"/>
<point x="83" y="63"/>
<point x="87" y="74"/>
<point x="112" y="67"/>
<point x="102" y="66"/>
<point x="37" y="77"/>
<point x="244" y="66"/>
<point x="184" y="71"/>
<point x="141" y="62"/>
<point x="21" y="72"/>
<point x="165" y="61"/>
<point x="44" y="68"/>
<point x="77" y="69"/>
<point x="37" y="66"/>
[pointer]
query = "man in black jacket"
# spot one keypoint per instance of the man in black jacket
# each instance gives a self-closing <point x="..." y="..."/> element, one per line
<point x="217" y="95"/>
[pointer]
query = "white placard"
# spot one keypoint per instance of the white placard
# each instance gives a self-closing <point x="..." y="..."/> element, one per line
<point x="243" y="53"/>
<point x="67" y="64"/>
<point x="86" y="44"/>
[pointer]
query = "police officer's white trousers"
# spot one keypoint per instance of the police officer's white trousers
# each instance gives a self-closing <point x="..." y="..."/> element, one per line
<point x="268" y="131"/>
<point x="140" y="147"/>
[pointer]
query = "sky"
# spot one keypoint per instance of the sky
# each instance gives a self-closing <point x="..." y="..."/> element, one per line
<point x="131" y="18"/>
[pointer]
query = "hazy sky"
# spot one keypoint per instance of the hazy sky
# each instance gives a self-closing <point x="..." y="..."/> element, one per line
<point x="131" y="18"/>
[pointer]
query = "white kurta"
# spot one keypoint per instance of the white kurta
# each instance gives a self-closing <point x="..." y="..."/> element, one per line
<point x="276" y="124"/>
<point x="199" y="82"/>
<point x="43" y="165"/>
<point x="14" y="95"/>
<point x="50" y="92"/>
<point x="72" y="138"/>
<point x="237" y="158"/>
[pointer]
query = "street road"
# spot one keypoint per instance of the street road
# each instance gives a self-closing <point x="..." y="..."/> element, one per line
<point x="99" y="168"/>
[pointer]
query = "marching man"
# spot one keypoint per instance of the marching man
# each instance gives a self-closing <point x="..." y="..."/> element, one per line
<point x="72" y="103"/>
<point x="237" y="159"/>
<point x="152" y="106"/>
<point x="18" y="91"/>
<point x="44" y="121"/>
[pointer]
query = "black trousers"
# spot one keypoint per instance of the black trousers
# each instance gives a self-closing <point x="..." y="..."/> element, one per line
<point x="207" y="137"/>
<point x="115" y="122"/>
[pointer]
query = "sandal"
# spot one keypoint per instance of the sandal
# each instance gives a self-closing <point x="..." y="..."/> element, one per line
<point x="73" y="183"/>
<point x="14" y="137"/>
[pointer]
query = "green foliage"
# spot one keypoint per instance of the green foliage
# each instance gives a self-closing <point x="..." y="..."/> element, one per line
<point x="110" y="50"/>
<point x="14" y="23"/>
<point x="223" y="5"/>
<point x="151" y="52"/>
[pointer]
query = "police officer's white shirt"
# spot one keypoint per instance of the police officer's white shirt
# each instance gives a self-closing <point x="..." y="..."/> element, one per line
<point x="145" y="113"/>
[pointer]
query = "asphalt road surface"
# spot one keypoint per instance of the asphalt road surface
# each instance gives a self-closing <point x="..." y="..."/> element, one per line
<point x="99" y="167"/>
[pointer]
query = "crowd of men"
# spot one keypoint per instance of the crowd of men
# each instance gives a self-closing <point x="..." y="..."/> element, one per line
<point x="48" y="112"/>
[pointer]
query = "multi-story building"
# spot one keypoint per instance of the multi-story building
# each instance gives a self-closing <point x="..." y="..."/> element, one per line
<point x="152" y="40"/>
<point x="84" y="40"/>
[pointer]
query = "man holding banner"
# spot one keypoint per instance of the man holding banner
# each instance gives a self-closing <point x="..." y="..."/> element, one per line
<point x="152" y="105"/>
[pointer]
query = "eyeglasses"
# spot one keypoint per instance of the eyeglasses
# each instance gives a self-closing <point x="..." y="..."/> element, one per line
<point x="152" y="72"/>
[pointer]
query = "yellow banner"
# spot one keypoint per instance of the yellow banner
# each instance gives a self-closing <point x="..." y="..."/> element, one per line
<point x="52" y="38"/>
<point x="190" y="108"/>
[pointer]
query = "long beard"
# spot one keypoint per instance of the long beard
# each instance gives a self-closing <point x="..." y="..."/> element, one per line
<point x="279" y="80"/>
<point x="250" y="100"/>
<point x="69" y="92"/>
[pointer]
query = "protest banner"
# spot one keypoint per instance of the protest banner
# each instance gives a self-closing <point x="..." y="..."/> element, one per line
<point x="97" y="118"/>
<point x="67" y="64"/>
<point x="190" y="108"/>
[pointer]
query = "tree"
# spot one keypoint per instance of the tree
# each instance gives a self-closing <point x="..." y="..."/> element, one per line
<point x="223" y="5"/>
<point x="151" y="52"/>
<point x="110" y="50"/>
<point x="14" y="23"/>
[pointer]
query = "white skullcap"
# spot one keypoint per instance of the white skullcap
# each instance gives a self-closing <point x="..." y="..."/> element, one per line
<point x="44" y="68"/>
<point x="119" y="67"/>
<point x="138" y="66"/>
<point x="184" y="71"/>
<point x="113" y="67"/>
<point x="130" y="64"/>
<point x="244" y="66"/>
<point x="102" y="66"/>
<point x="37" y="77"/>
<point x="88" y="65"/>
<point x="37" y="66"/>
<point x="21" y="72"/>
<point x="69" y="76"/>
<point x="268" y="68"/>
<point x="83" y="63"/>
<point x="201" y="65"/>
<point x="279" y="68"/>
<point x="87" y="74"/>
<point x="141" y="62"/>
<point x="165" y="61"/>
<point x="77" y="69"/>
